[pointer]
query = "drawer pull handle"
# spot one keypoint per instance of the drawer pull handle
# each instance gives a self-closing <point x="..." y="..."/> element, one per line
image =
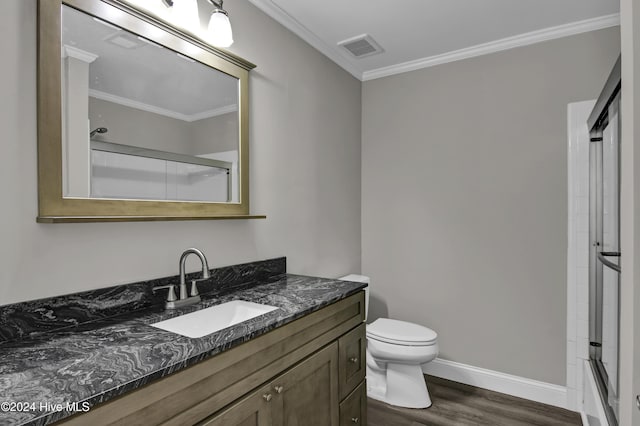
<point x="279" y="389"/>
<point x="354" y="420"/>
<point x="353" y="360"/>
<point x="267" y="397"/>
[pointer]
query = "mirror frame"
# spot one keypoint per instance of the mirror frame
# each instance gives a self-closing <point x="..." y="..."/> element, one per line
<point x="52" y="205"/>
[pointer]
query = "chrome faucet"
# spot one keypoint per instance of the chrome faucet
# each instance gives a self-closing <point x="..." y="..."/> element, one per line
<point x="186" y="297"/>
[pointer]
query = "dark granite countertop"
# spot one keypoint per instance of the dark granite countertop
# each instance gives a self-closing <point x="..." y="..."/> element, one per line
<point x="92" y="362"/>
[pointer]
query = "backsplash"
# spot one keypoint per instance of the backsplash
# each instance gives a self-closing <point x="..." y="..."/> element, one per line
<point x="31" y="318"/>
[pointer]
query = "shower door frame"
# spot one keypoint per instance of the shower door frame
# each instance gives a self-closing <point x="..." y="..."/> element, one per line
<point x="597" y="122"/>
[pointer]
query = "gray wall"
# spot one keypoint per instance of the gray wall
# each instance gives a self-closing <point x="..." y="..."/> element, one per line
<point x="132" y="126"/>
<point x="215" y="134"/>
<point x="305" y="175"/>
<point x="464" y="204"/>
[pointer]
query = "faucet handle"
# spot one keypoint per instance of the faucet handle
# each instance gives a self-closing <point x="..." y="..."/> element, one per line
<point x="194" y="288"/>
<point x="171" y="296"/>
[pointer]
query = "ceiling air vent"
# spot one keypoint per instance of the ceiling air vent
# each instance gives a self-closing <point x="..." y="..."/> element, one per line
<point x="124" y="40"/>
<point x="361" y="46"/>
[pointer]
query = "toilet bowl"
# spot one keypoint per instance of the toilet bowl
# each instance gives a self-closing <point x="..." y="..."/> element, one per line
<point x="396" y="352"/>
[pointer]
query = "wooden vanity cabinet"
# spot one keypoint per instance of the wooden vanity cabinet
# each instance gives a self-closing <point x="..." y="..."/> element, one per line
<point x="305" y="395"/>
<point x="353" y="410"/>
<point x="309" y="372"/>
<point x="352" y="352"/>
<point x="254" y="410"/>
<point x="309" y="392"/>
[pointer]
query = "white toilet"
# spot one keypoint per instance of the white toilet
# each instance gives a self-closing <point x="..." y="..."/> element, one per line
<point x="396" y="351"/>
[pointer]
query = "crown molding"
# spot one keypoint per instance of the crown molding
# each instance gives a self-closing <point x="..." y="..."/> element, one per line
<point x="333" y="52"/>
<point x="161" y="111"/>
<point x="79" y="54"/>
<point x="283" y="18"/>
<point x="520" y="40"/>
<point x="213" y="112"/>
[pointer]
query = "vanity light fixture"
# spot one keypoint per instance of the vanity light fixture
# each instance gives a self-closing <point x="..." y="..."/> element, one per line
<point x="219" y="29"/>
<point x="185" y="12"/>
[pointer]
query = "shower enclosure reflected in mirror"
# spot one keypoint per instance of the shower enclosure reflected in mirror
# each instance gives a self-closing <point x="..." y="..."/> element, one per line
<point x="137" y="119"/>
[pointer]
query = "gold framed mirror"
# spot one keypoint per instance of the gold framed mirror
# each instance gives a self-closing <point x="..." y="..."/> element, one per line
<point x="137" y="120"/>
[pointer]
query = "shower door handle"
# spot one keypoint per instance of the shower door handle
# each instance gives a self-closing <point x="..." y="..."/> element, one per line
<point x="610" y="264"/>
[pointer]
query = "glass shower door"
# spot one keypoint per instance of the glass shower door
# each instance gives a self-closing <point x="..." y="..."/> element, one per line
<point x="605" y="257"/>
<point x="610" y="253"/>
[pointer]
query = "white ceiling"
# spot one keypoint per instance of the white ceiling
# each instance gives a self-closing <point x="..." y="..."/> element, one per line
<point x="147" y="76"/>
<point x="419" y="33"/>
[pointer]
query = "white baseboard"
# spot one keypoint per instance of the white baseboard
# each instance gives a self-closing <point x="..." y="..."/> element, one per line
<point x="521" y="387"/>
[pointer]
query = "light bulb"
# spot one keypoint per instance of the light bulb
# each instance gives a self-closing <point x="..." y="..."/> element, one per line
<point x="220" y="34"/>
<point x="185" y="13"/>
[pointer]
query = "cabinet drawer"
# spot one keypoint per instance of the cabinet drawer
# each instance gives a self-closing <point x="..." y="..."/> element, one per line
<point x="352" y="352"/>
<point x="353" y="410"/>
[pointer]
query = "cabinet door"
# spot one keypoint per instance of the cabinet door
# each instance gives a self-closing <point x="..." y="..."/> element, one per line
<point x="353" y="354"/>
<point x="353" y="410"/>
<point x="307" y="395"/>
<point x="254" y="410"/>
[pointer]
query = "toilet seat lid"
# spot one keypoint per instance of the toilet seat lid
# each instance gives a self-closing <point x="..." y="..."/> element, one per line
<point x="396" y="331"/>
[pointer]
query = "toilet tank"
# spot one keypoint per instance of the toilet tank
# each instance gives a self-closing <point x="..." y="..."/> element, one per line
<point x="360" y="279"/>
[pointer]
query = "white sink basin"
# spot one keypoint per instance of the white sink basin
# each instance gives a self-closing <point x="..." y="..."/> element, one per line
<point x="215" y="318"/>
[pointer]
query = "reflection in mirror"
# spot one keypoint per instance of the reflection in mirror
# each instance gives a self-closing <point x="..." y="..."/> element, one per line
<point x="141" y="121"/>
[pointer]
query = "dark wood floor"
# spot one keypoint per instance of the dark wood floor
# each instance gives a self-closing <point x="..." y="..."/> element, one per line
<point x="455" y="404"/>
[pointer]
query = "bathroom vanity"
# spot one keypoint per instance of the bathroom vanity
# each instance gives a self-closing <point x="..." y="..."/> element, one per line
<point x="303" y="363"/>
<point x="309" y="372"/>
